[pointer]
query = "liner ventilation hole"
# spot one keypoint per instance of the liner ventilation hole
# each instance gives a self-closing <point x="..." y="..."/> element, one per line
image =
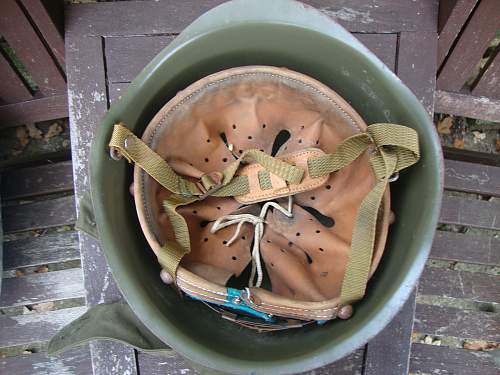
<point x="234" y="126"/>
<point x="318" y="231"/>
<point x="263" y="126"/>
<point x="328" y="187"/>
<point x="297" y="234"/>
<point x="290" y="243"/>
<point x="218" y="208"/>
<point x="195" y="212"/>
<point x="204" y="223"/>
<point x="208" y="140"/>
<point x="224" y="160"/>
<point x="234" y="258"/>
<point x="300" y="140"/>
<point x="302" y="127"/>
<point x="205" y="239"/>
<point x="240" y="151"/>
<point x="313" y="198"/>
<point x="206" y="160"/>
<point x="249" y="137"/>
<point x="327" y="221"/>
<point x="321" y="249"/>
<point x="224" y="242"/>
<point x="282" y="250"/>
<point x="281" y="138"/>
<point x="243" y="238"/>
<point x="272" y="264"/>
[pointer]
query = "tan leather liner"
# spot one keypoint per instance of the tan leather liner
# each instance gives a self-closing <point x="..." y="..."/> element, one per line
<point x="214" y="120"/>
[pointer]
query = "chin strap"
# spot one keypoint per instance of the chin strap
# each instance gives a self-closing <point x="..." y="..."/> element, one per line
<point x="391" y="148"/>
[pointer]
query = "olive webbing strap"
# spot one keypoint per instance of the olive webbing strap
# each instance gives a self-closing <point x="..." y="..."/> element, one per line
<point x="172" y="251"/>
<point x="134" y="149"/>
<point x="396" y="149"/>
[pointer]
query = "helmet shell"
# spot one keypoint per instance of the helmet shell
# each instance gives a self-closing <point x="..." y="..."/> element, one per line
<point x="278" y="33"/>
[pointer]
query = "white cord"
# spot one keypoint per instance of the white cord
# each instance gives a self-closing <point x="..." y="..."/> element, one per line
<point x="258" y="222"/>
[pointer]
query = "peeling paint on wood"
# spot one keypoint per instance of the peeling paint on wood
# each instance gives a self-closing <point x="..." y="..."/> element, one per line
<point x="45" y="249"/>
<point x="42" y="287"/>
<point x="35" y="327"/>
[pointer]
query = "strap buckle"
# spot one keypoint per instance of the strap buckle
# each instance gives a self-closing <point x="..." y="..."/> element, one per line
<point x="209" y="183"/>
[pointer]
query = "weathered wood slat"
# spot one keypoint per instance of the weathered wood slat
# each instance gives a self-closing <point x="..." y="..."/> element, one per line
<point x="12" y="89"/>
<point x="466" y="248"/>
<point x="471" y="46"/>
<point x="381" y="16"/>
<point x="467" y="105"/>
<point x="154" y="365"/>
<point x="469" y="156"/>
<point x="42" y="287"/>
<point x="116" y="90"/>
<point x="456" y="20"/>
<point x="19" y="33"/>
<point x="460" y="284"/>
<point x="472" y="178"/>
<point x="43" y="109"/>
<point x="470" y="212"/>
<point x="394" y="339"/>
<point x="47" y="28"/>
<point x="126" y="56"/>
<point x="413" y="66"/>
<point x="46" y="249"/>
<point x="489" y="84"/>
<point x="42" y="214"/>
<point x="88" y="104"/>
<point x="465" y="324"/>
<point x="35" y="327"/>
<point x="432" y="359"/>
<point x="39" y="180"/>
<point x="74" y="361"/>
<point x="384" y="46"/>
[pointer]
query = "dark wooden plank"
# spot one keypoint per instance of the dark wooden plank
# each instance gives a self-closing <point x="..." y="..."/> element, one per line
<point x="472" y="178"/>
<point x="42" y="109"/>
<point x="470" y="212"/>
<point x="12" y="89"/>
<point x="418" y="73"/>
<point x="476" y="286"/>
<point x="126" y="56"/>
<point x="35" y="327"/>
<point x="87" y="104"/>
<point x="489" y="84"/>
<point x="47" y="28"/>
<point x="45" y="249"/>
<point x="377" y="16"/>
<point x="394" y="339"/>
<point x="454" y="23"/>
<point x="39" y="180"/>
<point x="469" y="49"/>
<point x="21" y="36"/>
<point x="467" y="105"/>
<point x="432" y="359"/>
<point x="42" y="214"/>
<point x="466" y="248"/>
<point x="414" y="66"/>
<point x="42" y="287"/>
<point x="74" y="361"/>
<point x="464" y="324"/>
<point x="154" y="365"/>
<point x="384" y="46"/>
<point x="469" y="156"/>
<point x="116" y="90"/>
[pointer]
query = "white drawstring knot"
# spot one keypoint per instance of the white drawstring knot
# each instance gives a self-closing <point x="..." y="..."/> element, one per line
<point x="258" y="222"/>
